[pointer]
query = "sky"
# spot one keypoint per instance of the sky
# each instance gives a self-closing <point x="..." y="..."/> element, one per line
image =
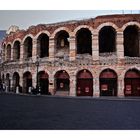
<point x="25" y="18"/>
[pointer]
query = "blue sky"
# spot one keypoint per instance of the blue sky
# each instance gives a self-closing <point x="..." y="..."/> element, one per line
<point x="24" y="18"/>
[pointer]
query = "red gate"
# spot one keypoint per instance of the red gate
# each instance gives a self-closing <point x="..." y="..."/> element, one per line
<point x="62" y="83"/>
<point x="132" y="83"/>
<point x="108" y="83"/>
<point x="84" y="83"/>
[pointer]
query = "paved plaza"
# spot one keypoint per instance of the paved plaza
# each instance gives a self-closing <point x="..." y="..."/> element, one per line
<point x="22" y="112"/>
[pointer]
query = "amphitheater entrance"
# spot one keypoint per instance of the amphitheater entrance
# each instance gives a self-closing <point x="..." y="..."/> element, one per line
<point x="62" y="83"/>
<point x="43" y="82"/>
<point x="27" y="82"/>
<point x="84" y="83"/>
<point x="108" y="83"/>
<point x="132" y="83"/>
<point x="8" y="85"/>
<point x="15" y="81"/>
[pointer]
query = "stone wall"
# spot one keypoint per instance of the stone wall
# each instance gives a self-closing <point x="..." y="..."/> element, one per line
<point x="95" y="64"/>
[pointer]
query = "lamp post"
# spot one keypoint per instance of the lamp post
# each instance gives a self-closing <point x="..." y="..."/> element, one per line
<point x="37" y="65"/>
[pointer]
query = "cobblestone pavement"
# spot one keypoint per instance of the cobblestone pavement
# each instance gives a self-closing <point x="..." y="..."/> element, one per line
<point x="57" y="113"/>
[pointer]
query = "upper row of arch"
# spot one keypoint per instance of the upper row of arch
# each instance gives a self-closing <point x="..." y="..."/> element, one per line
<point x="75" y="31"/>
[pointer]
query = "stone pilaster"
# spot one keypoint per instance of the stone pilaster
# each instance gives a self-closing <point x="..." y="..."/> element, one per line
<point x="51" y="85"/>
<point x="22" y="52"/>
<point x="34" y="80"/>
<point x="95" y="46"/>
<point x="12" y="53"/>
<point x="21" y="79"/>
<point x="120" y="87"/>
<point x="96" y="90"/>
<point x="11" y="84"/>
<point x="119" y="45"/>
<point x="51" y="49"/>
<point x="34" y="49"/>
<point x="72" y="53"/>
<point x="72" y="85"/>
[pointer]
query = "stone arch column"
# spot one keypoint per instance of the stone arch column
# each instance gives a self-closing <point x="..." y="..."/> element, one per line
<point x="119" y="44"/>
<point x="72" y="55"/>
<point x="12" y="52"/>
<point x="95" y="45"/>
<point x="34" y="49"/>
<point x="34" y="80"/>
<point x="96" y="91"/>
<point x="22" y="52"/>
<point x="11" y="83"/>
<point x="21" y="79"/>
<point x="51" y="84"/>
<point x="72" y="85"/>
<point x="120" y="86"/>
<point x="51" y="48"/>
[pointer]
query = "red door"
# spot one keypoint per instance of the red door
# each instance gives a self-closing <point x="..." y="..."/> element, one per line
<point x="132" y="83"/>
<point x="84" y="83"/>
<point x="108" y="83"/>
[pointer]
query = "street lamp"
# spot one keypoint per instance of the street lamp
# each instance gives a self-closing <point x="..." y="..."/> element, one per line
<point x="37" y="65"/>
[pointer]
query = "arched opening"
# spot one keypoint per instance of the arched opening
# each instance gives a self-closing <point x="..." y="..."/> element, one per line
<point x="27" y="82"/>
<point x="28" y="46"/>
<point x="132" y="83"/>
<point x="108" y="83"/>
<point x="16" y="79"/>
<point x="8" y="85"/>
<point x="84" y="41"/>
<point x="8" y="52"/>
<point x="16" y="50"/>
<point x="131" y="41"/>
<point x="84" y="85"/>
<point x="62" y="83"/>
<point x="3" y="79"/>
<point x="43" y="45"/>
<point x="43" y="79"/>
<point x="62" y="44"/>
<point x="107" y="40"/>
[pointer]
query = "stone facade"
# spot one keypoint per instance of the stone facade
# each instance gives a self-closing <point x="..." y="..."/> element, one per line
<point x="96" y="63"/>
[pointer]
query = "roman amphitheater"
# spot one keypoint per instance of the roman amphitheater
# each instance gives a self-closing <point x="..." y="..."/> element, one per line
<point x="92" y="57"/>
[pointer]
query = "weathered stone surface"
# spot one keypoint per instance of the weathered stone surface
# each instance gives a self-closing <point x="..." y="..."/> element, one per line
<point x="73" y="62"/>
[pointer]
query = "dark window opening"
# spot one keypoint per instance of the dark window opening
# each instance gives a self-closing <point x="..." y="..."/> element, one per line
<point x="43" y="44"/>
<point x="131" y="42"/>
<point x="9" y="52"/>
<point x="84" y="41"/>
<point x="107" y="40"/>
<point x="28" y="47"/>
<point x="16" y="51"/>
<point x="62" y="44"/>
